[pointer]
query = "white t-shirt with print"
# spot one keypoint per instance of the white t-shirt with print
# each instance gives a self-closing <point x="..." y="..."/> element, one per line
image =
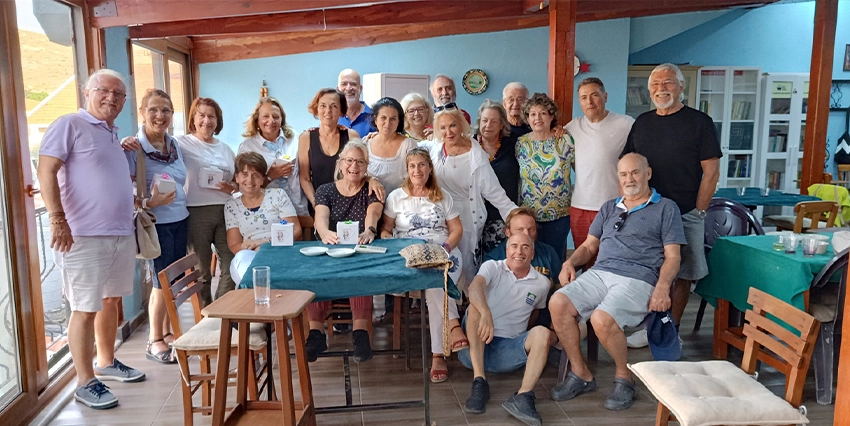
<point x="419" y="217"/>
<point x="198" y="154"/>
<point x="258" y="225"/>
<point x="511" y="301"/>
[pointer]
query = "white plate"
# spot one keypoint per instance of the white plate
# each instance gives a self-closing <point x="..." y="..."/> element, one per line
<point x="340" y="252"/>
<point x="313" y="251"/>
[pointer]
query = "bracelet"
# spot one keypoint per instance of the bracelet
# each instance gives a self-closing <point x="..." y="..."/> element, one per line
<point x="55" y="214"/>
<point x="58" y="221"/>
<point x="145" y="203"/>
<point x="446" y="246"/>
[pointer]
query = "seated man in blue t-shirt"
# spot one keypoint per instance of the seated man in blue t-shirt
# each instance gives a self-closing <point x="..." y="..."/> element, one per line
<point x="522" y="220"/>
<point x="636" y="239"/>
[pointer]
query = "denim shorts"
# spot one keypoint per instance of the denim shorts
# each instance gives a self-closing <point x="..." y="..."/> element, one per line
<point x="502" y="355"/>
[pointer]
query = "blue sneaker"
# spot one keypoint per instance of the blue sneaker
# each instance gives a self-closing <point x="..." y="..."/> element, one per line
<point x="95" y="395"/>
<point x="118" y="372"/>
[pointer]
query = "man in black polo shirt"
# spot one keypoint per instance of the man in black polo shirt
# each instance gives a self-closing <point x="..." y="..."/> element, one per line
<point x="683" y="150"/>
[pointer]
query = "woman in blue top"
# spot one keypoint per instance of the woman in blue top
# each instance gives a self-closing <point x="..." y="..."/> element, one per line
<point x="162" y="157"/>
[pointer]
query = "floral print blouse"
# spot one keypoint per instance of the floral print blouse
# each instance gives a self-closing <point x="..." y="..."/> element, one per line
<point x="544" y="170"/>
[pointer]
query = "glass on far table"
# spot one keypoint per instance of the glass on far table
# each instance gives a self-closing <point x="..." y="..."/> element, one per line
<point x="742" y="190"/>
<point x="262" y="282"/>
<point x="810" y="245"/>
<point x="779" y="243"/>
<point x="765" y="192"/>
<point x="790" y="242"/>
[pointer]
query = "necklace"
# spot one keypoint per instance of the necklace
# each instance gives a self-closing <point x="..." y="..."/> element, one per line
<point x="496" y="151"/>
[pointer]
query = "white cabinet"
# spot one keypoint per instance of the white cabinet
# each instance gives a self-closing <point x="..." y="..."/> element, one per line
<point x="782" y="130"/>
<point x="379" y="85"/>
<point x="730" y="96"/>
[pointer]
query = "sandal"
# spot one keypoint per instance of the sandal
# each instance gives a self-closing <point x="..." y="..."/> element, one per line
<point x="459" y="344"/>
<point x="439" y="376"/>
<point x="163" y="357"/>
<point x="166" y="336"/>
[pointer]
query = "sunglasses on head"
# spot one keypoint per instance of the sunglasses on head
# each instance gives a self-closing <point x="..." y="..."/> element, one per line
<point x="450" y="105"/>
<point x="622" y="220"/>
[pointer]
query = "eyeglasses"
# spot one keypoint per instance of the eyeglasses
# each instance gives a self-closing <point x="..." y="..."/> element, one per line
<point x="521" y="100"/>
<point x="665" y="83"/>
<point x="450" y="105"/>
<point x="164" y="111"/>
<point x="412" y="111"/>
<point x="349" y="161"/>
<point x="107" y="92"/>
<point x="622" y="220"/>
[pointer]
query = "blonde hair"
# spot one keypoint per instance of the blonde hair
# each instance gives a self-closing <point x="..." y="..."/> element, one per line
<point x="435" y="194"/>
<point x="354" y="144"/>
<point x="416" y="97"/>
<point x="252" y="127"/>
<point x="457" y="115"/>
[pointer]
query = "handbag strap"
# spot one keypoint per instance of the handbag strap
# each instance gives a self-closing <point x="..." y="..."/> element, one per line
<point x="141" y="174"/>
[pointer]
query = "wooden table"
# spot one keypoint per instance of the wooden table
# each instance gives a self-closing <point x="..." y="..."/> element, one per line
<point x="238" y="307"/>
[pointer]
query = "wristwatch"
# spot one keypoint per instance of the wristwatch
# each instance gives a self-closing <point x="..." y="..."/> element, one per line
<point x="373" y="230"/>
<point x="702" y="214"/>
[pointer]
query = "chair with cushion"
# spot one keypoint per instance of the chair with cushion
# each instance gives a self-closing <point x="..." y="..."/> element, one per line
<point x="180" y="283"/>
<point x="719" y="393"/>
<point x="826" y="304"/>
<point x="725" y="218"/>
<point x="808" y="214"/>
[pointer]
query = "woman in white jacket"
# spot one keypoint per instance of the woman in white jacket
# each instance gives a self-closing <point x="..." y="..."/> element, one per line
<point x="463" y="170"/>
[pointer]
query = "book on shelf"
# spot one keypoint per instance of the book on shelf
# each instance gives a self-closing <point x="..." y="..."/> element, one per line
<point x="739" y="168"/>
<point x="705" y="107"/>
<point x="741" y="110"/>
<point x="774" y="180"/>
<point x="776" y="142"/>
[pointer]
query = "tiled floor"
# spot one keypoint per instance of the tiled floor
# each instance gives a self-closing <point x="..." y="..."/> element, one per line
<point x="157" y="401"/>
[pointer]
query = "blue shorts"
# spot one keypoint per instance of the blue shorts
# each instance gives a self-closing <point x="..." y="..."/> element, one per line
<point x="502" y="355"/>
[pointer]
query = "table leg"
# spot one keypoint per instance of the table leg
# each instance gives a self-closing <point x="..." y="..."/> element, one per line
<point x="721" y="324"/>
<point x="286" y="392"/>
<point x="220" y="398"/>
<point x="424" y="339"/>
<point x="301" y="361"/>
<point x="242" y="364"/>
<point x="269" y="363"/>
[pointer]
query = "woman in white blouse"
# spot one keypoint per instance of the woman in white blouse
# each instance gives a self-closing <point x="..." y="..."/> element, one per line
<point x="268" y="134"/>
<point x="249" y="218"/>
<point x="388" y="147"/>
<point x="420" y="209"/>
<point x="209" y="184"/>
<point x="463" y="170"/>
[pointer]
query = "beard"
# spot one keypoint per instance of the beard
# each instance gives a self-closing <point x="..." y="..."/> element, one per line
<point x="632" y="190"/>
<point x="665" y="105"/>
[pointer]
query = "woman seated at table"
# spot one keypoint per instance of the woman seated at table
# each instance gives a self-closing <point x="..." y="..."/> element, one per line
<point x="420" y="209"/>
<point x="345" y="199"/>
<point x="249" y="218"/>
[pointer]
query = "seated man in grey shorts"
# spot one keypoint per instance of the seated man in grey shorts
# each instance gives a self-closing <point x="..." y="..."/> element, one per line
<point x="502" y="297"/>
<point x="636" y="239"/>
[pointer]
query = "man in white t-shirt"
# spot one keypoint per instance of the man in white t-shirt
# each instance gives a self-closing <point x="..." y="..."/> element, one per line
<point x="501" y="299"/>
<point x="599" y="139"/>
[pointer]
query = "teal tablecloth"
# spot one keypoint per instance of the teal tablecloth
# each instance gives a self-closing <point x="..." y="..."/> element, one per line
<point x="737" y="263"/>
<point x="752" y="197"/>
<point x="363" y="274"/>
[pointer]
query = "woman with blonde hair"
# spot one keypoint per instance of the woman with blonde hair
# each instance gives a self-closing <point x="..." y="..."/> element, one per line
<point x="420" y="209"/>
<point x="268" y="134"/>
<point x="419" y="118"/>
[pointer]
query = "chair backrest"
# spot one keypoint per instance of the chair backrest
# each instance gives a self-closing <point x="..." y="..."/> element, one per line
<point x="844" y="173"/>
<point x="814" y="210"/>
<point x="787" y="352"/>
<point x="180" y="281"/>
<point x="837" y="265"/>
<point x="725" y="217"/>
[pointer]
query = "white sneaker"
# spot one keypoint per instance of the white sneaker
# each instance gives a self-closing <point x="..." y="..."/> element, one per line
<point x="637" y="340"/>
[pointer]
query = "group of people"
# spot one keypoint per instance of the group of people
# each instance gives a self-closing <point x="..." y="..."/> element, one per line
<point x="501" y="197"/>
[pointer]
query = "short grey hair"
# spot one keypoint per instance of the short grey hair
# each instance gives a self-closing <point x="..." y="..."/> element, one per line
<point x="439" y="76"/>
<point x="642" y="161"/>
<point x="92" y="81"/>
<point x="671" y="67"/>
<point x="416" y="97"/>
<point x="353" y="144"/>
<point x="514" y="85"/>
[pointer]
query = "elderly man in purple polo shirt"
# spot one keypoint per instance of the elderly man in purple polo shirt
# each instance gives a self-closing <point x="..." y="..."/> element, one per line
<point x="89" y="197"/>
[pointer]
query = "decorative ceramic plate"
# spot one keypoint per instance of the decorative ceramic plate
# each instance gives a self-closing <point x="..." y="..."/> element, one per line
<point x="313" y="251"/>
<point x="340" y="252"/>
<point x="475" y="81"/>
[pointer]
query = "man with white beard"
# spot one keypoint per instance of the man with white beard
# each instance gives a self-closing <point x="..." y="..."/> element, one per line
<point x="683" y="150"/>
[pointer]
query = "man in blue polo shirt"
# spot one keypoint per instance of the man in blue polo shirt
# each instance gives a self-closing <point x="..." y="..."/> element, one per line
<point x="358" y="115"/>
<point x="636" y="239"/>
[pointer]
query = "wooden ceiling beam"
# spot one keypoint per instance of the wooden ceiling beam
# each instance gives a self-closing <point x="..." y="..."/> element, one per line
<point x="334" y="19"/>
<point x="602" y="10"/>
<point x="534" y="6"/>
<point x="262" y="46"/>
<point x="113" y="13"/>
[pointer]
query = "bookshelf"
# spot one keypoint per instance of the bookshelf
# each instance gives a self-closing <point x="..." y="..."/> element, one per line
<point x="783" y="129"/>
<point x="637" y="94"/>
<point x="730" y="96"/>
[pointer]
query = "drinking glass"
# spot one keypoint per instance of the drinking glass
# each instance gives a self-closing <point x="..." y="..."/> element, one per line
<point x="262" y="281"/>
<point x="779" y="243"/>
<point x="741" y="191"/>
<point x="765" y="192"/>
<point x="790" y="241"/>
<point x="810" y="246"/>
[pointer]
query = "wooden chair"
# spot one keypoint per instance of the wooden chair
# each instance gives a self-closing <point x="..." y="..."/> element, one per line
<point x="718" y="392"/>
<point x="180" y="283"/>
<point x="338" y="307"/>
<point x="808" y="215"/>
<point x="843" y="175"/>
<point x="826" y="304"/>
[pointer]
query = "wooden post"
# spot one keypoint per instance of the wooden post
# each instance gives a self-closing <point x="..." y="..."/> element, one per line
<point x="820" y="82"/>
<point x="562" y="50"/>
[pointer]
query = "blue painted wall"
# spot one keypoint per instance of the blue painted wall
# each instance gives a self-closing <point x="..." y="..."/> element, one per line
<point x="777" y="38"/>
<point x="507" y="56"/>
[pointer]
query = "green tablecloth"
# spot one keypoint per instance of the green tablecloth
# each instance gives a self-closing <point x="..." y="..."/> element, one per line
<point x="363" y="274"/>
<point x="737" y="263"/>
<point x="752" y="197"/>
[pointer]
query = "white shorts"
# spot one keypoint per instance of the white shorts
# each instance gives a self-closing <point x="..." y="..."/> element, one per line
<point x="625" y="299"/>
<point x="96" y="268"/>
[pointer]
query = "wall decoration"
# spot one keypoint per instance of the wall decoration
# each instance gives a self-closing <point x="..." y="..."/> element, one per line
<point x="475" y="81"/>
<point x="579" y="66"/>
<point x="847" y="58"/>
